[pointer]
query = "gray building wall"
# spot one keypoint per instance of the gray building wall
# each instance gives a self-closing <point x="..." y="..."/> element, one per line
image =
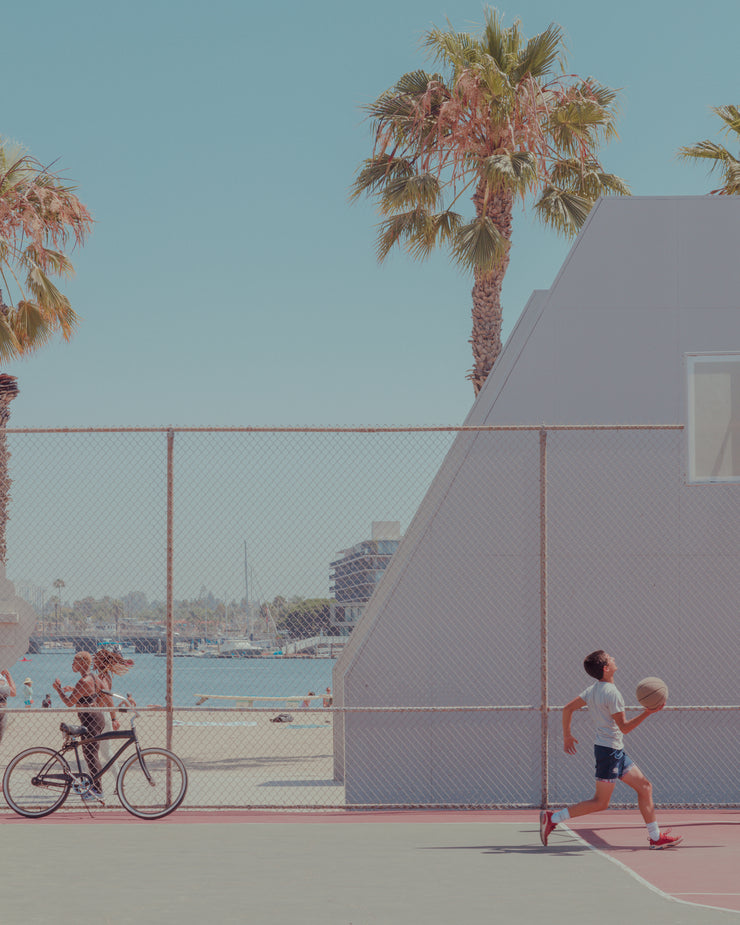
<point x="639" y="562"/>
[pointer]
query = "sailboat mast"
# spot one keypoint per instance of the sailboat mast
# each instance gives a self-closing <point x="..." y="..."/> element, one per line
<point x="246" y="591"/>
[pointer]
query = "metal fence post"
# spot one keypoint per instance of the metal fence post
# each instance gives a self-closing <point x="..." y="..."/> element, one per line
<point x="544" y="696"/>
<point x="170" y="605"/>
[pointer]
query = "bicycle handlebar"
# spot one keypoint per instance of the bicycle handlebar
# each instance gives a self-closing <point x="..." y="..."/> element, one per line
<point x="125" y="705"/>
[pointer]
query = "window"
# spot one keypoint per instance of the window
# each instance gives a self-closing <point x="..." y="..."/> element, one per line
<point x="713" y="417"/>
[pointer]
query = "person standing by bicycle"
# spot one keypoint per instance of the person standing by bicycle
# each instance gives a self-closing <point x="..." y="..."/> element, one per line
<point x="106" y="663"/>
<point x="7" y="689"/>
<point x="85" y="694"/>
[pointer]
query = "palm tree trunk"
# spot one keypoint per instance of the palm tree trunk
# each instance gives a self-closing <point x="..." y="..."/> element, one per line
<point x="8" y="391"/>
<point x="487" y="311"/>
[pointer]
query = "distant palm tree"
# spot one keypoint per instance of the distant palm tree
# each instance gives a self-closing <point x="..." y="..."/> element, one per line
<point x="39" y="216"/>
<point x="720" y="159"/>
<point x="498" y="126"/>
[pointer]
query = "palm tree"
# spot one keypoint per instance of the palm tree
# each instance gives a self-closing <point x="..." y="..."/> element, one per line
<point x="719" y="157"/>
<point x="500" y="125"/>
<point x="39" y="216"/>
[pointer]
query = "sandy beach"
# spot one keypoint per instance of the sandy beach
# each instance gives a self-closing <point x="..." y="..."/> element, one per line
<point x="234" y="758"/>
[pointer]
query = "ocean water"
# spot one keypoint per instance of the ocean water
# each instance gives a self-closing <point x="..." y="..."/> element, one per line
<point x="146" y="680"/>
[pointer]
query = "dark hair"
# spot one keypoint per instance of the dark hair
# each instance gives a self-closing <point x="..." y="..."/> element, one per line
<point x="595" y="663"/>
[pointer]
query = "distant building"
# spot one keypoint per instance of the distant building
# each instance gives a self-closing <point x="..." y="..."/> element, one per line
<point x="32" y="593"/>
<point x="355" y="575"/>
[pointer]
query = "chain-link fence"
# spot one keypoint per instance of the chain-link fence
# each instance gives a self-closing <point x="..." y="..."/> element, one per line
<point x="232" y="567"/>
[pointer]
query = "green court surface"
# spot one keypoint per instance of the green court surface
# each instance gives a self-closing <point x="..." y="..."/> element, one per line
<point x="345" y="868"/>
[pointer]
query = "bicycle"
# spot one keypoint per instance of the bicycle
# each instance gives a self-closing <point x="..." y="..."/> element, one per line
<point x="151" y="783"/>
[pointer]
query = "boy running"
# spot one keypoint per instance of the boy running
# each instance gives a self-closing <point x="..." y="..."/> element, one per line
<point x="612" y="763"/>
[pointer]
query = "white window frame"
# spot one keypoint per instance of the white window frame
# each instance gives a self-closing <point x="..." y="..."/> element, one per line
<point x="691" y="360"/>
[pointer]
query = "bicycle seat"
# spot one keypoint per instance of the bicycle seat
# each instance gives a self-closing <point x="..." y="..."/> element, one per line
<point x="73" y="730"/>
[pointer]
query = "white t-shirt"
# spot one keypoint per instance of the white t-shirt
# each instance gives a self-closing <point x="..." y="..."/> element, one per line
<point x="603" y="699"/>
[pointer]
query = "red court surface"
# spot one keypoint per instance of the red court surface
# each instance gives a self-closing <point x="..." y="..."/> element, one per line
<point x="703" y="870"/>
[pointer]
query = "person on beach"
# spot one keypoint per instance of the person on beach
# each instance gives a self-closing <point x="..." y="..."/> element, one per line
<point x="28" y="693"/>
<point x="612" y="763"/>
<point x="85" y="694"/>
<point x="7" y="689"/>
<point x="106" y="663"/>
<point x="307" y="701"/>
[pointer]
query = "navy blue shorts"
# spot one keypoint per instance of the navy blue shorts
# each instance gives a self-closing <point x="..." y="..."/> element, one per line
<point x="611" y="763"/>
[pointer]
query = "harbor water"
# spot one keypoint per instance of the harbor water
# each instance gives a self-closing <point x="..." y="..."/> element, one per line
<point x="192" y="677"/>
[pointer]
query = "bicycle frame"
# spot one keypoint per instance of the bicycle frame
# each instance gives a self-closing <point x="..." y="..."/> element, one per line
<point x="73" y="744"/>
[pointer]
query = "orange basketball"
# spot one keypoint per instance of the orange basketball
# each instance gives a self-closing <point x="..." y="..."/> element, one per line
<point x="652" y="693"/>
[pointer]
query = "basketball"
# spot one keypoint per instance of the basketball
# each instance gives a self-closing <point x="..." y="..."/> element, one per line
<point x="652" y="693"/>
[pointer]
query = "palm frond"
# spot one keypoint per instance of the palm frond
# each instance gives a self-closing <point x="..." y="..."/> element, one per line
<point x="610" y="183"/>
<point x="39" y="214"/>
<point x="435" y="229"/>
<point x="731" y="185"/>
<point x="49" y="260"/>
<point x="392" y="107"/>
<point x="587" y="178"/>
<point x="720" y="159"/>
<point x="730" y="115"/>
<point x="17" y="167"/>
<point x="515" y="170"/>
<point x="575" y="123"/>
<point x="421" y="190"/>
<point x="707" y="150"/>
<point x="479" y="245"/>
<point x="31" y="325"/>
<point x="603" y="96"/>
<point x="455" y="49"/>
<point x="415" y="83"/>
<point x="379" y="170"/>
<point x="495" y="80"/>
<point x="55" y="306"/>
<point x="401" y="116"/>
<point x="501" y="43"/>
<point x="563" y="210"/>
<point x="540" y="54"/>
<point x="9" y="346"/>
<point x="406" y="225"/>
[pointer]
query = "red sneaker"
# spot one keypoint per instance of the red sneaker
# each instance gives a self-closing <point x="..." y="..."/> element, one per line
<point x="546" y="825"/>
<point x="666" y="840"/>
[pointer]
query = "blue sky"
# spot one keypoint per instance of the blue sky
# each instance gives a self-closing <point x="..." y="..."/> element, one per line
<point x="228" y="281"/>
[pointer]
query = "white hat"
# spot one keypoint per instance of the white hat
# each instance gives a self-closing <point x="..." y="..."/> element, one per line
<point x="28" y="681"/>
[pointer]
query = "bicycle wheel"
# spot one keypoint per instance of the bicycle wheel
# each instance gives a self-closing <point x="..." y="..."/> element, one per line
<point x="158" y="797"/>
<point x="36" y="782"/>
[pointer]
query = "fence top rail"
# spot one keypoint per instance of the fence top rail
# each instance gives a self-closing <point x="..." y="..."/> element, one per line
<point x="453" y="428"/>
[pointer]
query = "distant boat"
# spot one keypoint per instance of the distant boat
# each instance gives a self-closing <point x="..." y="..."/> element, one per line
<point x="238" y="648"/>
<point x="179" y="649"/>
